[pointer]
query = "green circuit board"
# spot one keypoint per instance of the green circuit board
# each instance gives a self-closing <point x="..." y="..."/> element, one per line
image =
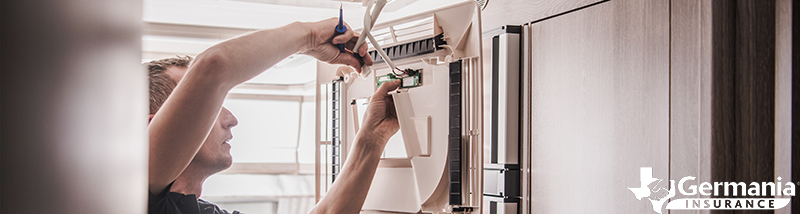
<point x="413" y="79"/>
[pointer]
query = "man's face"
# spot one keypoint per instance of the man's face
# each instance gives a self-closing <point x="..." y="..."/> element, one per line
<point x="215" y="154"/>
<point x="216" y="151"/>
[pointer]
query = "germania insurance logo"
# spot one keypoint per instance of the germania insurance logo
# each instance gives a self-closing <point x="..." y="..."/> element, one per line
<point x="751" y="196"/>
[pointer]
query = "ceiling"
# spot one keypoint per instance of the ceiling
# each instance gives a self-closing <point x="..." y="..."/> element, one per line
<point x="187" y="27"/>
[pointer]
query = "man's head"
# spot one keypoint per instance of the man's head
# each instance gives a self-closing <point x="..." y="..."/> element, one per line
<point x="214" y="155"/>
<point x="164" y="77"/>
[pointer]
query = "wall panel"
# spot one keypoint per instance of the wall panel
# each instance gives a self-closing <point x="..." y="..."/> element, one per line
<point x="743" y="92"/>
<point x="690" y="91"/>
<point x="600" y="106"/>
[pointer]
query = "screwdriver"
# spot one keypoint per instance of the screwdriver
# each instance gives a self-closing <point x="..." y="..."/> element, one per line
<point x="340" y="29"/>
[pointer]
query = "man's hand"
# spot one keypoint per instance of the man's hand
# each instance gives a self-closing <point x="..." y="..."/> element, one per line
<point x="380" y="119"/>
<point x="348" y="193"/>
<point x="322" y="44"/>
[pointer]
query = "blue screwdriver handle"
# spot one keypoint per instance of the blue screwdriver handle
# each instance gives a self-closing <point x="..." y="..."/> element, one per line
<point x="340" y="29"/>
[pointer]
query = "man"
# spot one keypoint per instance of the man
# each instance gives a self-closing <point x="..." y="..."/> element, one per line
<point x="189" y="129"/>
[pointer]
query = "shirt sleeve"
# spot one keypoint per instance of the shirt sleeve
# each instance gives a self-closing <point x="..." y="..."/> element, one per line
<point x="210" y="208"/>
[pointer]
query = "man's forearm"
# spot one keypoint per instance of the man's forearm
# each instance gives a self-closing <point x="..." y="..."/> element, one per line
<point x="348" y="193"/>
<point x="246" y="56"/>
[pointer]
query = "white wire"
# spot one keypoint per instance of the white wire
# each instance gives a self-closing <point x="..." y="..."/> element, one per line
<point x="370" y="17"/>
<point x="369" y="20"/>
<point x="367" y="27"/>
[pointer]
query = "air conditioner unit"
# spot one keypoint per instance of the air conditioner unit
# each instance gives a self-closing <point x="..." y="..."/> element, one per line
<point x="434" y="164"/>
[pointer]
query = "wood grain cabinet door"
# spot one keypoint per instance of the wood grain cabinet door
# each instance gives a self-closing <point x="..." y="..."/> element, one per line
<point x="600" y="98"/>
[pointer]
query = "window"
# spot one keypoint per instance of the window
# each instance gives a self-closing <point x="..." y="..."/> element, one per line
<point x="272" y="149"/>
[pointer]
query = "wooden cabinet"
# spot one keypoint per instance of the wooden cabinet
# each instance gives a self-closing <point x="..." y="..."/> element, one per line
<point x="599" y="106"/>
<point x="612" y="86"/>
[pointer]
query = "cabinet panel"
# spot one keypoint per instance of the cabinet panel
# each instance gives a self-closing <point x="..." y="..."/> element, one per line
<point x="690" y="98"/>
<point x="600" y="106"/>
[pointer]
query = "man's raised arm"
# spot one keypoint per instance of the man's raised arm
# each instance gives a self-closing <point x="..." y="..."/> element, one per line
<point x="348" y="193"/>
<point x="179" y="128"/>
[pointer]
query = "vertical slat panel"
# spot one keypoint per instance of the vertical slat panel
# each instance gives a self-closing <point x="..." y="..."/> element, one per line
<point x="525" y="124"/>
<point x="795" y="98"/>
<point x="690" y="96"/>
<point x="455" y="131"/>
<point x="783" y="95"/>
<point x="743" y="135"/>
<point x="337" y="111"/>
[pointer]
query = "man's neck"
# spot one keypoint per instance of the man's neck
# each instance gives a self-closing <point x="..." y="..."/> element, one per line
<point x="189" y="183"/>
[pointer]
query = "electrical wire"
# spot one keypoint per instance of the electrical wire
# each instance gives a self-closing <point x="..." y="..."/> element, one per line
<point x="369" y="21"/>
<point x="398" y="69"/>
<point x="370" y="16"/>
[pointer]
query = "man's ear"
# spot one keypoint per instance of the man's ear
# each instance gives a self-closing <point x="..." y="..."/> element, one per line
<point x="150" y="119"/>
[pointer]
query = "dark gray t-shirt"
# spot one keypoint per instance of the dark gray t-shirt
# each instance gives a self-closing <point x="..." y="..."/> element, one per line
<point x="176" y="203"/>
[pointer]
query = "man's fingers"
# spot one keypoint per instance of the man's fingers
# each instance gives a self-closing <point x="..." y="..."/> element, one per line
<point x="349" y="38"/>
<point x="342" y="38"/>
<point x="362" y="50"/>
<point x="355" y="64"/>
<point x="347" y="58"/>
<point x="387" y="86"/>
<point x="367" y="60"/>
